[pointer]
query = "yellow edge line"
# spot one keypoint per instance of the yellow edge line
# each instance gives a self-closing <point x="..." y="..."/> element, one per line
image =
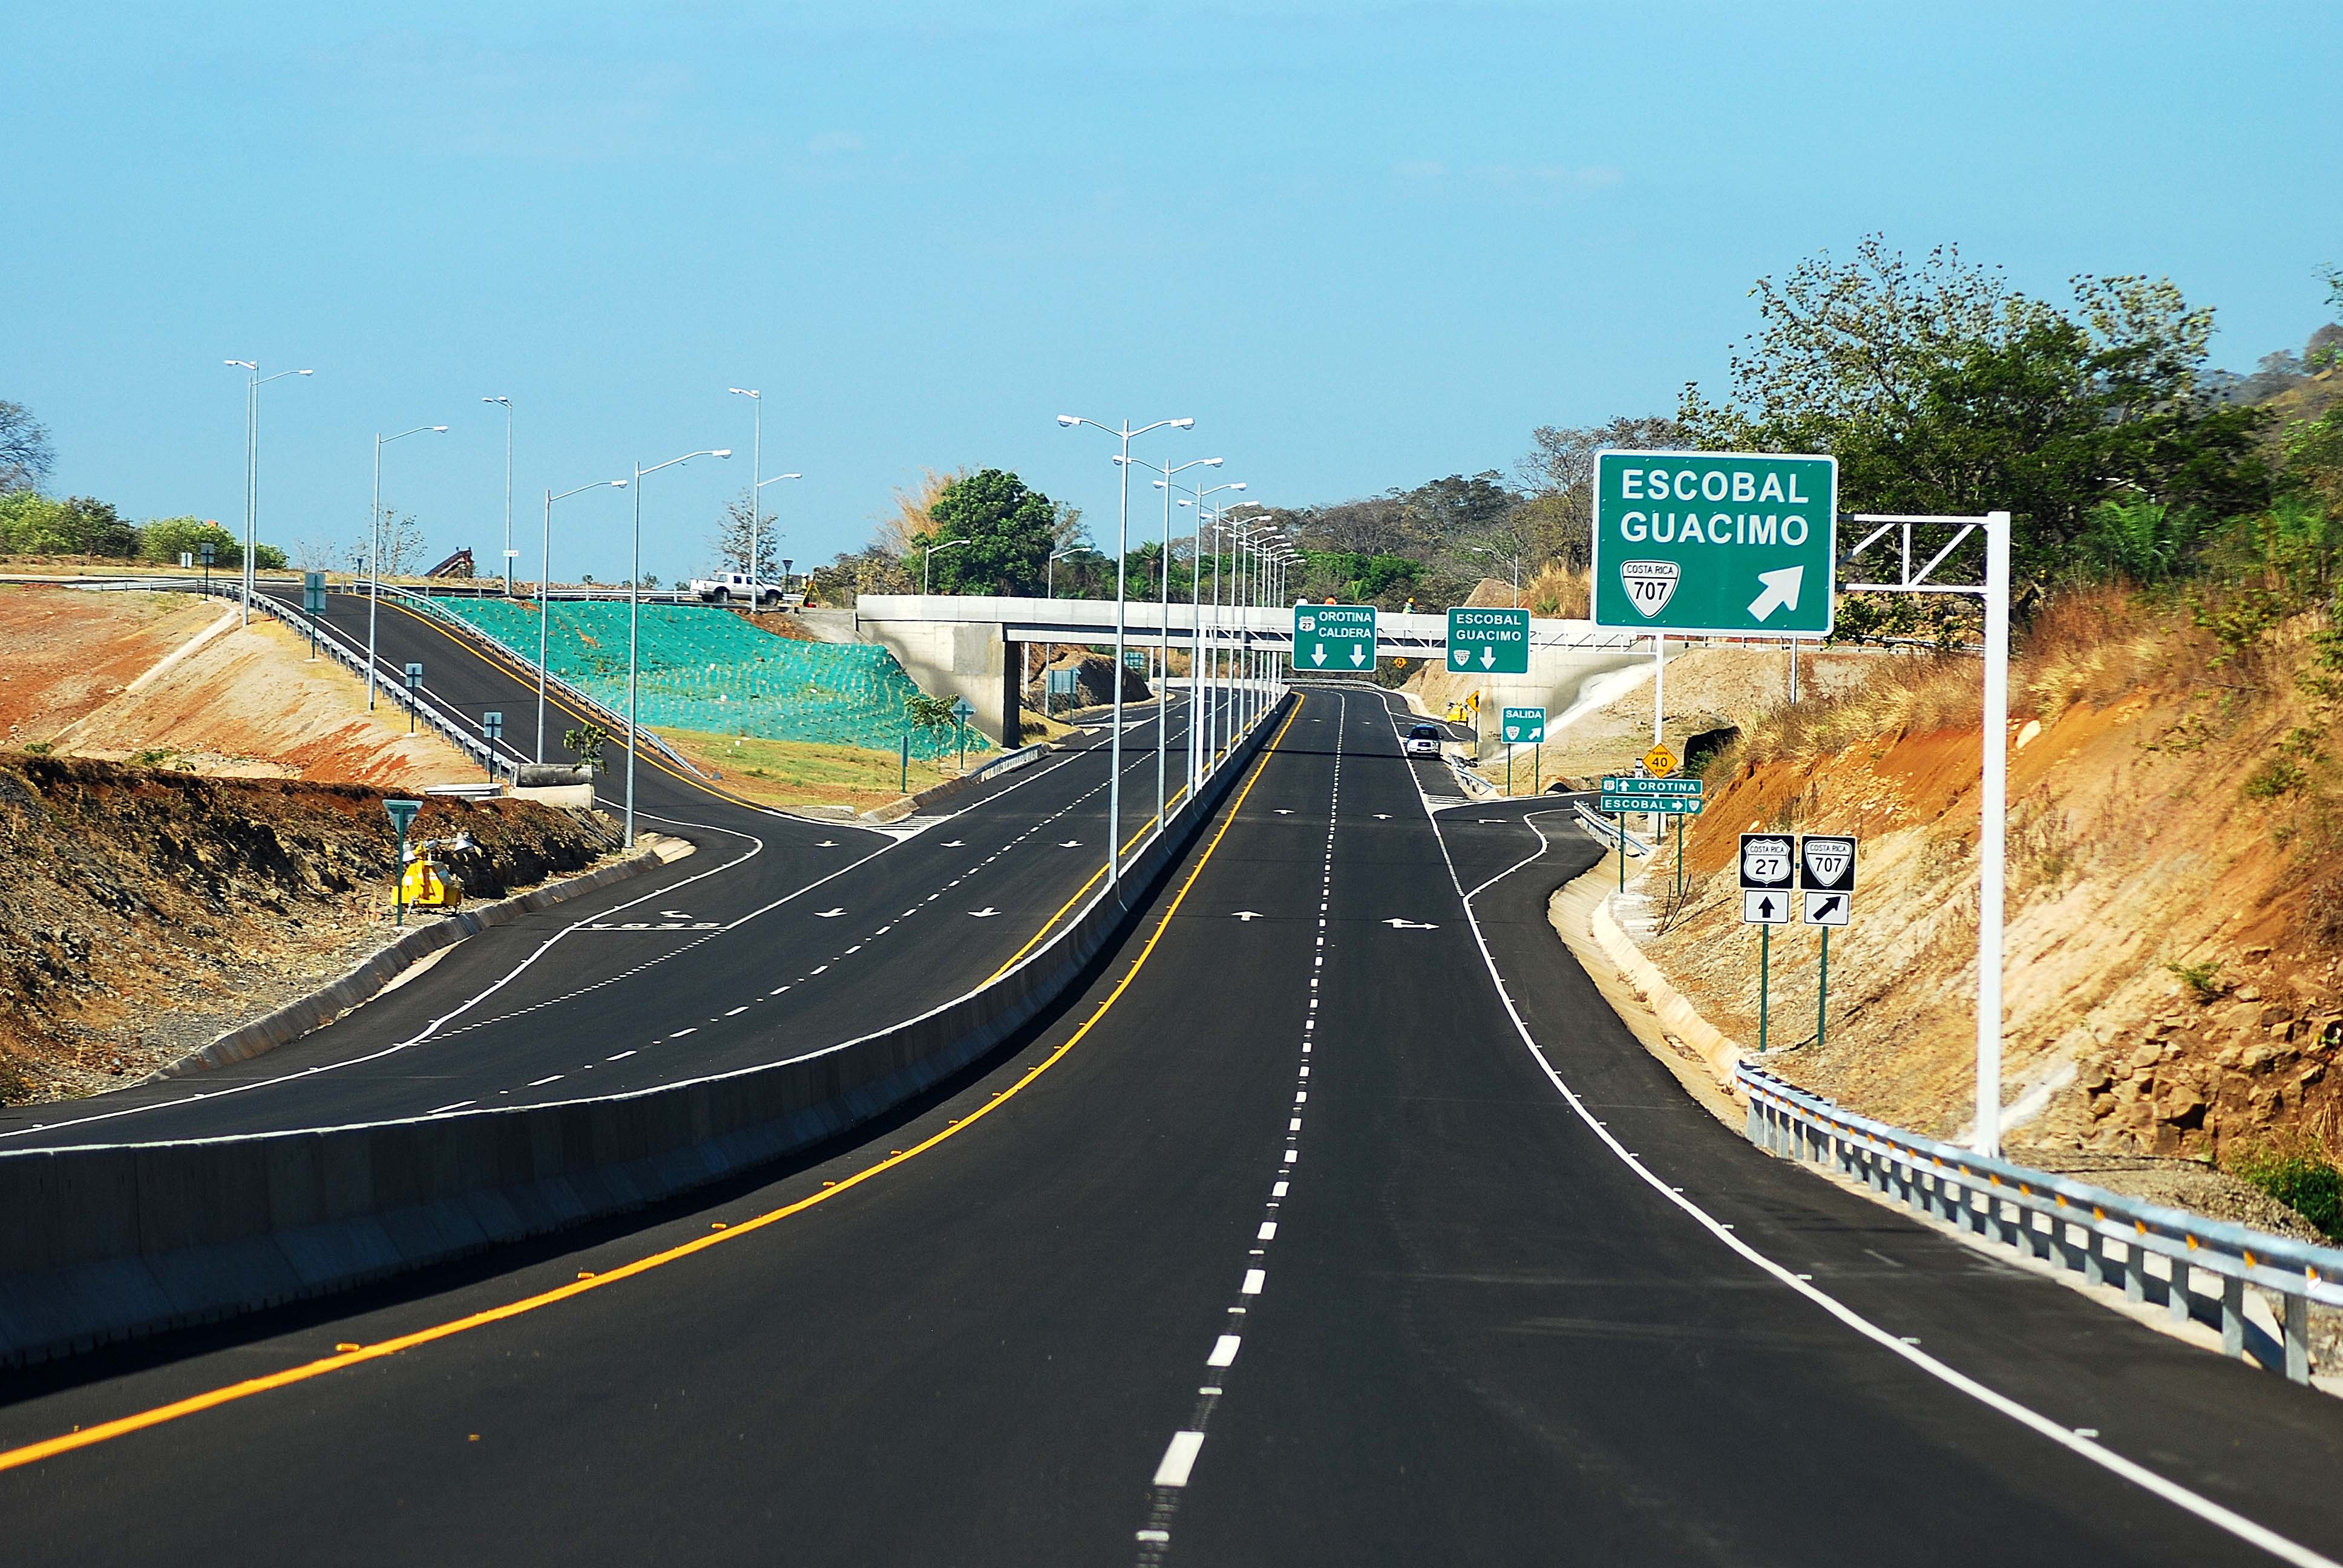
<point x="1083" y="891"/>
<point x="89" y="1437"/>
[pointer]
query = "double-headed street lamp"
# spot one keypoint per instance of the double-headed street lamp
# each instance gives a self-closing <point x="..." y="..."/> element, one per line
<point x="927" y="562"/>
<point x="756" y="484"/>
<point x="374" y="550"/>
<point x="1122" y="629"/>
<point x="508" y="548"/>
<point x="1163" y="643"/>
<point x="635" y="615"/>
<point x="544" y="593"/>
<point x="1198" y="706"/>
<point x="252" y="465"/>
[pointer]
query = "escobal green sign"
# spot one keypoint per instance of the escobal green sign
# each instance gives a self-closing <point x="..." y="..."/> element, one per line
<point x="1730" y="543"/>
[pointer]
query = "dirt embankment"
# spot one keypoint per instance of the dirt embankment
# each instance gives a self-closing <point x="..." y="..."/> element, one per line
<point x="176" y="680"/>
<point x="2176" y="892"/>
<point x="148" y="910"/>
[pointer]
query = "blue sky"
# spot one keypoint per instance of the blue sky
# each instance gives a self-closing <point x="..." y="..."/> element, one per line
<point x="1363" y="244"/>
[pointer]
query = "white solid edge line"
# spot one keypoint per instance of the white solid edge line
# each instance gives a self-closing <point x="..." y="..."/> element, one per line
<point x="432" y="1028"/>
<point x="1179" y="1459"/>
<point x="2140" y="1475"/>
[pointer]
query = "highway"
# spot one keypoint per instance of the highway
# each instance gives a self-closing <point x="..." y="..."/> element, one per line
<point x="779" y="936"/>
<point x="1338" y="1220"/>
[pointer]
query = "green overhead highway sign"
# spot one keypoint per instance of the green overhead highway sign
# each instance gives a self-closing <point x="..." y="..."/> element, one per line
<point x="1335" y="636"/>
<point x="1725" y="544"/>
<point x="1524" y="726"/>
<point x="1489" y="641"/>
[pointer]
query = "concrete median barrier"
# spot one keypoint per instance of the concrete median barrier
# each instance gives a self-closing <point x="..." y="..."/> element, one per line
<point x="109" y="1242"/>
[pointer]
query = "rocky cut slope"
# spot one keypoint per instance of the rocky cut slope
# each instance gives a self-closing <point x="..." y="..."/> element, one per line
<point x="2176" y="887"/>
<point x="147" y="909"/>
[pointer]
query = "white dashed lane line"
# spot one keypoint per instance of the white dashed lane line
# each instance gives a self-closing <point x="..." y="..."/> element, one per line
<point x="1179" y="1463"/>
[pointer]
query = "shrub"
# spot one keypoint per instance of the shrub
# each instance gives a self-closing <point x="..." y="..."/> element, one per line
<point x="2299" y="1173"/>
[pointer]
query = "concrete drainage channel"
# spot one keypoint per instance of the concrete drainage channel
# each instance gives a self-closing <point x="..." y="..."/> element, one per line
<point x="109" y="1242"/>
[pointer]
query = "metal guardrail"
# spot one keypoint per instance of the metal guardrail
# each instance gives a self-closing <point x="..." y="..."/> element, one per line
<point x="464" y="732"/>
<point x="2107" y="1238"/>
<point x="604" y="714"/>
<point x="1608" y="833"/>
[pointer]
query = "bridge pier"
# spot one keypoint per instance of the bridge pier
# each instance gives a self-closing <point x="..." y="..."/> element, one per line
<point x="1012" y="693"/>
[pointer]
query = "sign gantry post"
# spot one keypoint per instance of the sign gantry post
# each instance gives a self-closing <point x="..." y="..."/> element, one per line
<point x="1993" y="795"/>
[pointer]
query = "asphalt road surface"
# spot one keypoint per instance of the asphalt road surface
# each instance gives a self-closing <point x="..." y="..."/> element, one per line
<point x="777" y="937"/>
<point x="1339" y="1222"/>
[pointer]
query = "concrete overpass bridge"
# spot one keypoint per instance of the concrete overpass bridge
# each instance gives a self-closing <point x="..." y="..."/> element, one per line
<point x="972" y="645"/>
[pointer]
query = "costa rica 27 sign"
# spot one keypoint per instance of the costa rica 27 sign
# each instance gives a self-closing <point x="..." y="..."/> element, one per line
<point x="1728" y="544"/>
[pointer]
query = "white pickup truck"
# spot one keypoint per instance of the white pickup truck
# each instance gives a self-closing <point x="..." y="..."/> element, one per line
<point x="739" y="588"/>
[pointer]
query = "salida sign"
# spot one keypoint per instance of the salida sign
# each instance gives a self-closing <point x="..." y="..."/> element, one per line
<point x="1732" y="544"/>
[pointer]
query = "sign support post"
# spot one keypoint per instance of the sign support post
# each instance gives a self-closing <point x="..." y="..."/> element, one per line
<point x="1993" y="795"/>
<point x="402" y="812"/>
<point x="1764" y="963"/>
<point x="1821" y="993"/>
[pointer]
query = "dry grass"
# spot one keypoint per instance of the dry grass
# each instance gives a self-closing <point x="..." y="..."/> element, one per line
<point x="1559" y="593"/>
<point x="2093" y="646"/>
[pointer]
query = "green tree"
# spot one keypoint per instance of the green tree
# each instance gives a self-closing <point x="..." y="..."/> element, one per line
<point x="33" y="524"/>
<point x="1009" y="531"/>
<point x="1941" y="390"/>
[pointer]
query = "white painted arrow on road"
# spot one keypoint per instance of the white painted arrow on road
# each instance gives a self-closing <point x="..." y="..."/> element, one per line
<point x="1072" y="844"/>
<point x="827" y="914"/>
<point x="985" y="913"/>
<point x="1247" y="914"/>
<point x="827" y="844"/>
<point x="1781" y="591"/>
<point x="1399" y="925"/>
<point x="955" y="843"/>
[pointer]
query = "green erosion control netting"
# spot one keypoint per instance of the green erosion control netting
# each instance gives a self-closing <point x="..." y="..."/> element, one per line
<point x="709" y="669"/>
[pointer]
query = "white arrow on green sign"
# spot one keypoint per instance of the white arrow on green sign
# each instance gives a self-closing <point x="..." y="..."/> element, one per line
<point x="1726" y="543"/>
<point x="1524" y="726"/>
<point x="1488" y="642"/>
<point x="1335" y="636"/>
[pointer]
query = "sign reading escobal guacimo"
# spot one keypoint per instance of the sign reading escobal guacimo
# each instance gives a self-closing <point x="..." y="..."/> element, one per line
<point x="1728" y="544"/>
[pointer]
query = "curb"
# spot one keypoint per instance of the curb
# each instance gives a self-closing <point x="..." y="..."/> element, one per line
<point x="306" y="1015"/>
<point x="1718" y="1052"/>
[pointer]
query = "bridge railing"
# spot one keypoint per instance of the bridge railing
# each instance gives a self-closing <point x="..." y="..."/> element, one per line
<point x="2195" y="1268"/>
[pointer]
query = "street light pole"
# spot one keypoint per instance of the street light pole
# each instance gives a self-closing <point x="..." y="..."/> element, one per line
<point x="927" y="562"/>
<point x="1196" y="637"/>
<point x="374" y="550"/>
<point x="635" y="615"/>
<point x="545" y="591"/>
<point x="252" y="468"/>
<point x="1163" y="640"/>
<point x="508" y="550"/>
<point x="1050" y="572"/>
<point x="756" y="543"/>
<point x="1121" y="628"/>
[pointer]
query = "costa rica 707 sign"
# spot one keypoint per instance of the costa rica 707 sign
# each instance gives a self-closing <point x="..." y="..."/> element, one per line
<point x="1726" y="543"/>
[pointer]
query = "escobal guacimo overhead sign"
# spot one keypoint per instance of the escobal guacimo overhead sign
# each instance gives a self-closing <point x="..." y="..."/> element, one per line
<point x="1722" y="544"/>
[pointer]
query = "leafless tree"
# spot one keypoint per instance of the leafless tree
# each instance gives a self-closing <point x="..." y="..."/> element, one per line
<point x="26" y="455"/>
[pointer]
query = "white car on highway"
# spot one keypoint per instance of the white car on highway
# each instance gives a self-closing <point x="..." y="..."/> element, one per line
<point x="1422" y="740"/>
